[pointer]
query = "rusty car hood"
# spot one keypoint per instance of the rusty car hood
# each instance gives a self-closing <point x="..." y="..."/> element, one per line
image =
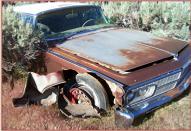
<point x="122" y="49"/>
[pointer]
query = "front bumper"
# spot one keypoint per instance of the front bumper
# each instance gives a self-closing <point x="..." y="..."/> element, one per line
<point x="124" y="117"/>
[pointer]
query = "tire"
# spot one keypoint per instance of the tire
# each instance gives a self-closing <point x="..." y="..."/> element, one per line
<point x="95" y="89"/>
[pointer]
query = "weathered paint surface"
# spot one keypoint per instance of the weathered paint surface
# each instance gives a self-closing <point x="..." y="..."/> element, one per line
<point x="77" y="63"/>
<point x="43" y="82"/>
<point x="122" y="49"/>
<point x="40" y="89"/>
<point x="117" y="92"/>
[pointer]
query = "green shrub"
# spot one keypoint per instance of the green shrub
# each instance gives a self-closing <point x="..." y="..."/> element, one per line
<point x="20" y="45"/>
<point x="170" y="19"/>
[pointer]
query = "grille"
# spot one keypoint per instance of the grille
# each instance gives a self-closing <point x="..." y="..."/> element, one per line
<point x="163" y="85"/>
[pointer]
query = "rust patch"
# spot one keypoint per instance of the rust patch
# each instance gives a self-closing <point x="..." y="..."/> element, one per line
<point x="127" y="79"/>
<point x="173" y="92"/>
<point x="85" y="38"/>
<point x="117" y="92"/>
<point x="170" y="45"/>
<point x="142" y="57"/>
<point x="129" y="49"/>
<point x="55" y="63"/>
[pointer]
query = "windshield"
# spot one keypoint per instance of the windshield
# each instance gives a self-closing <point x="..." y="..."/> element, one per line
<point x="62" y="20"/>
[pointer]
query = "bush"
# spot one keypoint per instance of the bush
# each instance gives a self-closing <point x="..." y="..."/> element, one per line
<point x="170" y="19"/>
<point x="20" y="45"/>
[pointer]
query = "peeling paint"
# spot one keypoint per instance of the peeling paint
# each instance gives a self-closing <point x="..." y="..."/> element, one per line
<point x="122" y="49"/>
<point x="117" y="92"/>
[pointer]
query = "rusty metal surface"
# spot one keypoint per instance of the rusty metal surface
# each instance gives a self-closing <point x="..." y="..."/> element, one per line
<point x="70" y="109"/>
<point x="117" y="92"/>
<point x="130" y="79"/>
<point x="40" y="89"/>
<point x="168" y="44"/>
<point x="43" y="82"/>
<point x="122" y="49"/>
<point x="54" y="63"/>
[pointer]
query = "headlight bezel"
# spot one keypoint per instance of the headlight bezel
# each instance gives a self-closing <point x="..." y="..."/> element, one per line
<point x="135" y="93"/>
<point x="150" y="90"/>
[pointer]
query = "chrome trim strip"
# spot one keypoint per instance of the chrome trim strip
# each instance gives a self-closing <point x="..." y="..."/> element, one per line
<point x="154" y="79"/>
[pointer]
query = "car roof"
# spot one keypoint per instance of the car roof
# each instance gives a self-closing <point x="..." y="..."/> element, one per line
<point x="38" y="8"/>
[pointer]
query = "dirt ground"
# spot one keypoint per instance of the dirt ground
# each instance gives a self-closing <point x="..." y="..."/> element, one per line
<point x="175" y="115"/>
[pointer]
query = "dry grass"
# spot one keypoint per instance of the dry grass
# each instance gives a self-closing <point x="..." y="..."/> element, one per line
<point x="176" y="115"/>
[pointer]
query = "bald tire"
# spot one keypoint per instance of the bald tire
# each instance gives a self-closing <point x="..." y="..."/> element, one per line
<point x="95" y="89"/>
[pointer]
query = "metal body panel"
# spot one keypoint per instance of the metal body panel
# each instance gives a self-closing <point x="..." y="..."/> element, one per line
<point x="76" y="53"/>
<point x="39" y="8"/>
<point x="127" y="114"/>
<point x="77" y="63"/>
<point x="40" y="89"/>
<point x="122" y="49"/>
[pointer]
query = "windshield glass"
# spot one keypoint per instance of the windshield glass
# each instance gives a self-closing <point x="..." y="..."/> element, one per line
<point x="63" y="20"/>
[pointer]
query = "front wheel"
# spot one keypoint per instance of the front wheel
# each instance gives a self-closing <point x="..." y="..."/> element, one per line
<point x="87" y="93"/>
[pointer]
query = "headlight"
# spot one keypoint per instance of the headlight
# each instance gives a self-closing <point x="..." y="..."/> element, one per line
<point x="140" y="93"/>
<point x="147" y="92"/>
<point x="130" y="96"/>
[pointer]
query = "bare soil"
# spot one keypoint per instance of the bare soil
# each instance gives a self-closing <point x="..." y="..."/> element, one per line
<point x="175" y="115"/>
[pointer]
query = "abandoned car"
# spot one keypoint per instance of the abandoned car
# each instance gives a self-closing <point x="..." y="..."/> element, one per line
<point x="93" y="65"/>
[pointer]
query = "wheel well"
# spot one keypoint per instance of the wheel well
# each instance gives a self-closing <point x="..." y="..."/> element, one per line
<point x="70" y="74"/>
<point x="106" y="87"/>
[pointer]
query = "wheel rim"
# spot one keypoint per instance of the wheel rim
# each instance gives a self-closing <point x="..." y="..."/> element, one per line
<point x="79" y="96"/>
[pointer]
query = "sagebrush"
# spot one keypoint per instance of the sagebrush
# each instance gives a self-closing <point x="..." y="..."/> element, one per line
<point x="20" y="45"/>
<point x="166" y="19"/>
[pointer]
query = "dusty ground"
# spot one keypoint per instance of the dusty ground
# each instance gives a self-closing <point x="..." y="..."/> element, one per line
<point x="176" y="115"/>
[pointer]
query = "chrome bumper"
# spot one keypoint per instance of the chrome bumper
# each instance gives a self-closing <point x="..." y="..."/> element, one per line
<point x="125" y="116"/>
